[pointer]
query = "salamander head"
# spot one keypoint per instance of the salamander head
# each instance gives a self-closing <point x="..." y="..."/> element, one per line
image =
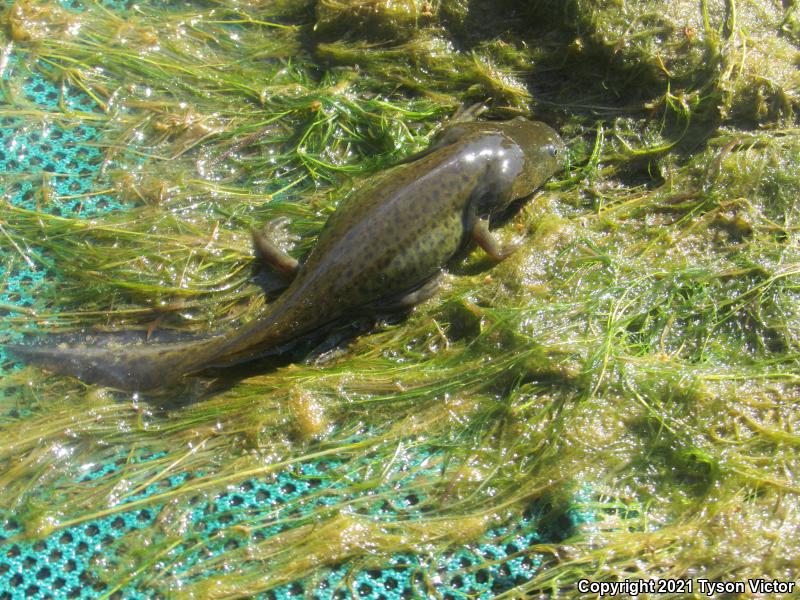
<point x="543" y="150"/>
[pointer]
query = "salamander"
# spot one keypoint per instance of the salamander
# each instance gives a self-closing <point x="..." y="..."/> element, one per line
<point x="381" y="250"/>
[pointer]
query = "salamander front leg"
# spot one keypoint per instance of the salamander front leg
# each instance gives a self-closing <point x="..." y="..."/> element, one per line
<point x="468" y="114"/>
<point x="451" y="132"/>
<point x="268" y="253"/>
<point x="485" y="239"/>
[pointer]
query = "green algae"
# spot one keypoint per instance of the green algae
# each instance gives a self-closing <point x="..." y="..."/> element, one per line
<point x="643" y="342"/>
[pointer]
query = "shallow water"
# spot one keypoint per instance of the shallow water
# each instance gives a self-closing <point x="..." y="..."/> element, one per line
<point x="619" y="397"/>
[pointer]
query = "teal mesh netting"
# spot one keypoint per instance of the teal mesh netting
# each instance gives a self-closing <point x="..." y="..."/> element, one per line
<point x="71" y="562"/>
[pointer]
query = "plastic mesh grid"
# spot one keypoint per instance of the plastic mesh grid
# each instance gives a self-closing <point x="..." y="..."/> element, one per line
<point x="60" y="153"/>
<point x="70" y="562"/>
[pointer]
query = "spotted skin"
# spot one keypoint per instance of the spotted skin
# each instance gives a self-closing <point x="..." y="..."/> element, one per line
<point x="387" y="239"/>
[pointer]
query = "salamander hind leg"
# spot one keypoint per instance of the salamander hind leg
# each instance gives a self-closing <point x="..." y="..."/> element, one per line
<point x="408" y="300"/>
<point x="484" y="238"/>
<point x="273" y="257"/>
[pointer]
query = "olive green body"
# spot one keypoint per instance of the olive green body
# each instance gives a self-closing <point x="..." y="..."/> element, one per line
<point x="387" y="239"/>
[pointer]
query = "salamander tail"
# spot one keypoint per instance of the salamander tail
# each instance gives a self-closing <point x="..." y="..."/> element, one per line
<point x="136" y="367"/>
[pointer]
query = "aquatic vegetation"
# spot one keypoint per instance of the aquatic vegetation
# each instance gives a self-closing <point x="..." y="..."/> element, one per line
<point x="642" y="345"/>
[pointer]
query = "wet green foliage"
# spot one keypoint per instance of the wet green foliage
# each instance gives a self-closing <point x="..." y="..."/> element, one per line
<point x="643" y="342"/>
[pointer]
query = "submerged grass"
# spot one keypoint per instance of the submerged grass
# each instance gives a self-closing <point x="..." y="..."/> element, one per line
<point x="644" y="342"/>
